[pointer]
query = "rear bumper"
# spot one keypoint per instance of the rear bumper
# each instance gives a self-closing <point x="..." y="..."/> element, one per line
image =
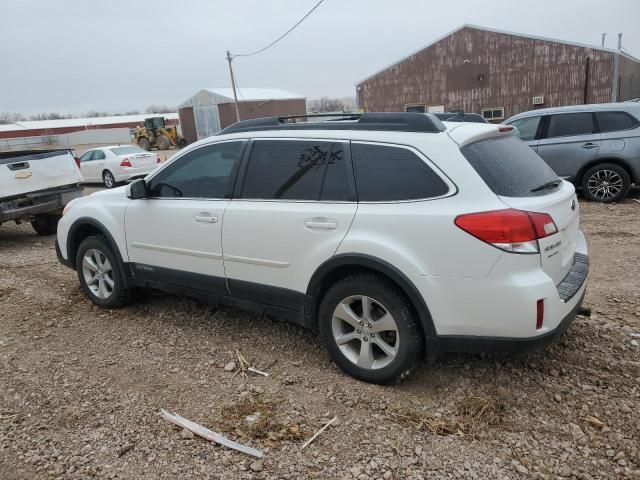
<point x="43" y="201"/>
<point x="508" y="345"/>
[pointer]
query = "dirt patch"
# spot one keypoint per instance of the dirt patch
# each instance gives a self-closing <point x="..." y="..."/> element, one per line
<point x="80" y="385"/>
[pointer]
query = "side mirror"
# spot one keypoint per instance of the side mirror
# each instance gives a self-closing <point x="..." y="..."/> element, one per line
<point x="137" y="189"/>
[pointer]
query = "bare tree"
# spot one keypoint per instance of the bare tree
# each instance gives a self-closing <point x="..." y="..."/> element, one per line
<point x="159" y="109"/>
<point x="326" y="105"/>
<point x="49" y="116"/>
<point x="10" y="117"/>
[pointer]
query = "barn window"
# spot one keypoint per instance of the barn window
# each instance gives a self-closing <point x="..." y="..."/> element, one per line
<point x="493" y="113"/>
<point x="415" y="108"/>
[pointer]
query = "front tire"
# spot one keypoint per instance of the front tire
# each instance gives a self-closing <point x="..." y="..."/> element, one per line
<point x="100" y="273"/>
<point x="108" y="179"/>
<point x="369" y="328"/>
<point x="163" y="142"/>
<point x="606" y="183"/>
<point x="144" y="144"/>
<point x="45" y="223"/>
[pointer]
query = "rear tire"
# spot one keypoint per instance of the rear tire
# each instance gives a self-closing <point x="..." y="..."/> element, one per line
<point x="45" y="223"/>
<point x="163" y="142"/>
<point x="144" y="144"/>
<point x="108" y="179"/>
<point x="182" y="142"/>
<point x="605" y="183"/>
<point x="100" y="273"/>
<point x="381" y="346"/>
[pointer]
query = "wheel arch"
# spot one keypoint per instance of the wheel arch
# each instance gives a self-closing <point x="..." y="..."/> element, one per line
<point x="614" y="160"/>
<point x="343" y="265"/>
<point x="85" y="227"/>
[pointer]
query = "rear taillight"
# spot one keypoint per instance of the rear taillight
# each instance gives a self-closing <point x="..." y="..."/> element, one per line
<point x="125" y="163"/>
<point x="77" y="161"/>
<point x="510" y="230"/>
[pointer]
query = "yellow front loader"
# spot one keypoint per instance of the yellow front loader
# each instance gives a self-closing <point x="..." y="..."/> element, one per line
<point x="155" y="134"/>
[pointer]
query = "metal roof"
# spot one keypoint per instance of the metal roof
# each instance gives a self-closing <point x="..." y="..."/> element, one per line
<point x="503" y="32"/>
<point x="83" y="122"/>
<point x="215" y="96"/>
<point x="252" y="94"/>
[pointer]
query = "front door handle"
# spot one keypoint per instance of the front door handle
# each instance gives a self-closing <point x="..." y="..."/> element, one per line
<point x="321" y="223"/>
<point x="205" y="218"/>
<point x="589" y="145"/>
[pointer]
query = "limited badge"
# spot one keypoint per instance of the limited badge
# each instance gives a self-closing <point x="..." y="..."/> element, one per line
<point x="23" y="175"/>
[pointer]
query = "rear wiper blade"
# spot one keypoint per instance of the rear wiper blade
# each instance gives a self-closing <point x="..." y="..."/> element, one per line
<point x="551" y="184"/>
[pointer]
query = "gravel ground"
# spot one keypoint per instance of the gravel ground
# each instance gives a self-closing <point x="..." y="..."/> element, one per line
<point x="81" y="388"/>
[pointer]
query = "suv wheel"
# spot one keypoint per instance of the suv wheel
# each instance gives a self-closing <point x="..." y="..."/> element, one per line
<point x="369" y="329"/>
<point x="606" y="183"/>
<point x="100" y="273"/>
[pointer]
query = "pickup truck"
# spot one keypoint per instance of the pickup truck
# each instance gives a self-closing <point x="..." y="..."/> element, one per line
<point x="35" y="185"/>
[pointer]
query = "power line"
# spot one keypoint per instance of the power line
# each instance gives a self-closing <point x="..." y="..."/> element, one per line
<point x="280" y="37"/>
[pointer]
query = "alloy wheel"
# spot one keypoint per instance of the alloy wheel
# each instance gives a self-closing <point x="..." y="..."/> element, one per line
<point x="109" y="181"/>
<point x="605" y="184"/>
<point x="98" y="273"/>
<point x="365" y="332"/>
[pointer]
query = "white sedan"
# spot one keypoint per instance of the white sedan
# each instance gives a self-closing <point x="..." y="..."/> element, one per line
<point x="117" y="163"/>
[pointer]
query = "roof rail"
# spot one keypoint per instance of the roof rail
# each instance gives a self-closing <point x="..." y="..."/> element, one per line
<point x="399" y="122"/>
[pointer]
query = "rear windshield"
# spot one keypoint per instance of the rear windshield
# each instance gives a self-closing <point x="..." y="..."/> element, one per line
<point x="127" y="150"/>
<point x="509" y="167"/>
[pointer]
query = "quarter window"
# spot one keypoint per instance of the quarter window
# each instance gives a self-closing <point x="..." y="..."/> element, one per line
<point x="567" y="124"/>
<point x="296" y="170"/>
<point x="203" y="173"/>
<point x="527" y="127"/>
<point x="615" y="121"/>
<point x="386" y="173"/>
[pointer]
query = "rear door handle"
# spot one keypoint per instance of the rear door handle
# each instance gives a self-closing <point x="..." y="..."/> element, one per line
<point x="321" y="223"/>
<point x="589" y="145"/>
<point x="204" y="218"/>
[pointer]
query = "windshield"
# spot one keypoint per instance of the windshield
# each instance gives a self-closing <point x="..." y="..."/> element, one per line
<point x="128" y="150"/>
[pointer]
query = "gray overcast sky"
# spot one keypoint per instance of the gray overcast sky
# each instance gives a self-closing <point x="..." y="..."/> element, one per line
<point x="113" y="55"/>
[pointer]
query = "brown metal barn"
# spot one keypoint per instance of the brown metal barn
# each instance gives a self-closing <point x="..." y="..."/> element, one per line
<point x="212" y="109"/>
<point x="499" y="74"/>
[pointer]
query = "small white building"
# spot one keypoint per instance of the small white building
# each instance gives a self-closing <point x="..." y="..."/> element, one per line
<point x="212" y="109"/>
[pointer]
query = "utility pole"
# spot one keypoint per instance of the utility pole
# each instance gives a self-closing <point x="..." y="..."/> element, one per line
<point x="233" y="84"/>
<point x="604" y="35"/>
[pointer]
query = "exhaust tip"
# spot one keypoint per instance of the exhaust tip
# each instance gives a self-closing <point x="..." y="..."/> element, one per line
<point x="584" y="311"/>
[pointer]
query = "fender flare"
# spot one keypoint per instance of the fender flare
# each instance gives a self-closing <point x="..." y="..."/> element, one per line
<point x="82" y="221"/>
<point x="378" y="265"/>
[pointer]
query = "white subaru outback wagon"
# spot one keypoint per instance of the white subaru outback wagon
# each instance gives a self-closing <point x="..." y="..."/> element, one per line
<point x="391" y="234"/>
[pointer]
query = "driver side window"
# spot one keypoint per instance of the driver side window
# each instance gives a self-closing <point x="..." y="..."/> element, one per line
<point x="203" y="173"/>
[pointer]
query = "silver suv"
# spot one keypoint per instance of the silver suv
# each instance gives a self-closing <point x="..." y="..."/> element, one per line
<point x="597" y="147"/>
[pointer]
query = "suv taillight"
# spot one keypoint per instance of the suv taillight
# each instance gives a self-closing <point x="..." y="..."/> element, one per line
<point x="511" y="230"/>
<point x="125" y="163"/>
<point x="77" y="161"/>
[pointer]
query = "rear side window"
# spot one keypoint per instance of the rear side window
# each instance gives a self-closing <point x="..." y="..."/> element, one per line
<point x="615" y="121"/>
<point x="527" y="127"/>
<point x="296" y="170"/>
<point x="566" y="124"/>
<point x="385" y="174"/>
<point x="509" y="167"/>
